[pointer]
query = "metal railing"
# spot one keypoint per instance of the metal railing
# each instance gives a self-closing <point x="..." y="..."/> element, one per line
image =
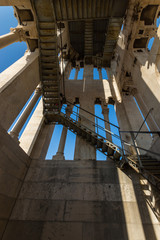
<point x="124" y="146"/>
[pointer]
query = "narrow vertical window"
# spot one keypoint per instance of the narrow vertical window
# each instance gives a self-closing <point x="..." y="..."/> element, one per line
<point x="95" y="74"/>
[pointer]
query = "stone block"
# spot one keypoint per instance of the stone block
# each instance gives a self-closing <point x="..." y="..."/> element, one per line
<point x="53" y="191"/>
<point x="109" y="175"/>
<point x="62" y="231"/>
<point x="84" y="211"/>
<point x="93" y="192"/>
<point x="2" y="227"/>
<point x="6" y="205"/>
<point x="73" y="163"/>
<point x="9" y="185"/>
<point x="23" y="230"/>
<point x="113" y="212"/>
<point x="101" y="231"/>
<point x="47" y="174"/>
<point x="84" y="175"/>
<point x="94" y="211"/>
<point x="12" y="164"/>
<point x="38" y="210"/>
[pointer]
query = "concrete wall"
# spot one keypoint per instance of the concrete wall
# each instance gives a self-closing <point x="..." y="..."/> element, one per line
<point x="16" y="86"/>
<point x="13" y="167"/>
<point x="86" y="200"/>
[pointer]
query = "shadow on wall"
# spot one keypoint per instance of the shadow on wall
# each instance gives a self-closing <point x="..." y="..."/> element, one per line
<point x="144" y="205"/>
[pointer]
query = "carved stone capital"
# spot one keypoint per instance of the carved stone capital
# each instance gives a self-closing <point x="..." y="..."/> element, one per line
<point x="20" y="32"/>
<point x="38" y="89"/>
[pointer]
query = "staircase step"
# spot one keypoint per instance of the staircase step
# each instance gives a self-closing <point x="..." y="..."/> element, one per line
<point x="48" y="59"/>
<point x="117" y="155"/>
<point x="50" y="76"/>
<point x="48" y="45"/>
<point x="50" y="89"/>
<point x="50" y="83"/>
<point x="48" y="39"/>
<point x="47" y="32"/>
<point x="46" y="25"/>
<point x="104" y="147"/>
<point x="49" y="71"/>
<point x="48" y="52"/>
<point x="49" y="65"/>
<point x="99" y="143"/>
<point x="110" y="151"/>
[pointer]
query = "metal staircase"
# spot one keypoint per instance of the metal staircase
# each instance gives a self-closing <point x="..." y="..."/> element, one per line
<point x="146" y="165"/>
<point x="49" y="65"/>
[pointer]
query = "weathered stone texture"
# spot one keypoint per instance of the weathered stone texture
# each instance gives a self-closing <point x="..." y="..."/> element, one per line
<point x="83" y="200"/>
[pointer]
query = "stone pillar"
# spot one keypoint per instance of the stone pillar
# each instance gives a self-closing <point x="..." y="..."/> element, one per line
<point x="83" y="149"/>
<point x="16" y="34"/>
<point x="76" y="74"/>
<point x="32" y="131"/>
<point x="23" y="77"/>
<point x="105" y="112"/>
<point x="21" y="121"/>
<point x="100" y="73"/>
<point x="60" y="153"/>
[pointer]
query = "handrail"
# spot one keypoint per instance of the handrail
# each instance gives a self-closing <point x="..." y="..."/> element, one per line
<point x="94" y="124"/>
<point x="93" y="114"/>
<point x="142" y="132"/>
<point x="91" y="130"/>
<point x="113" y="134"/>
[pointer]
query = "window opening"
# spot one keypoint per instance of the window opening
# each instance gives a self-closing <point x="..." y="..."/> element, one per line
<point x="54" y="143"/>
<point x="104" y="74"/>
<point x="95" y="74"/>
<point x="80" y="74"/>
<point x="150" y="44"/>
<point x="113" y="120"/>
<point x="72" y="74"/>
<point x="122" y="27"/>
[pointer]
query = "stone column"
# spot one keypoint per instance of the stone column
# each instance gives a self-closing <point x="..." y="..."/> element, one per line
<point x="21" y="121"/>
<point x="100" y="74"/>
<point x="16" y="34"/>
<point x="60" y="153"/>
<point x="83" y="149"/>
<point x="105" y="112"/>
<point x="76" y="74"/>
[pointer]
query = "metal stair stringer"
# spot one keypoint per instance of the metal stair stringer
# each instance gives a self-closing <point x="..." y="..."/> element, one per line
<point x="49" y="66"/>
<point x="103" y="145"/>
<point x="151" y="167"/>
